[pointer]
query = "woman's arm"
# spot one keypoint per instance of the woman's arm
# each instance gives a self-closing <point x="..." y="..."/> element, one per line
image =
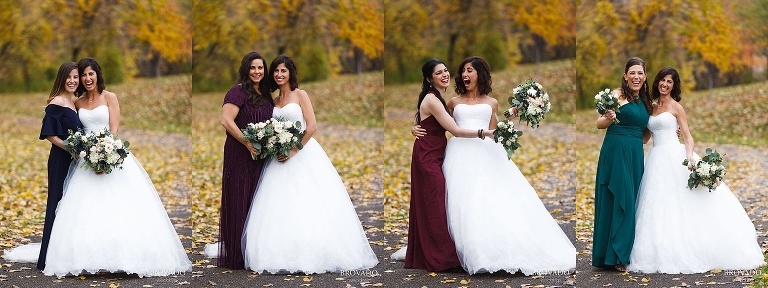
<point x="114" y="112"/>
<point x="605" y="120"/>
<point x="495" y="109"/>
<point x="228" y="113"/>
<point x="309" y="119"/>
<point x="646" y="135"/>
<point x="682" y="121"/>
<point x="309" y="116"/>
<point x="55" y="140"/>
<point x="435" y="107"/>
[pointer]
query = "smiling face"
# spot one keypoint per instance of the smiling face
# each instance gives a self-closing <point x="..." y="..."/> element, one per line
<point x="469" y="76"/>
<point x="635" y="77"/>
<point x="666" y="85"/>
<point x="89" y="79"/>
<point x="256" y="71"/>
<point x="441" y="78"/>
<point x="281" y="75"/>
<point x="73" y="79"/>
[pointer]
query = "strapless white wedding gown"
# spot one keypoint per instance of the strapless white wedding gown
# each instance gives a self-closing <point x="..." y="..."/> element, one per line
<point x="494" y="215"/>
<point x="301" y="218"/>
<point x="112" y="222"/>
<point x="680" y="230"/>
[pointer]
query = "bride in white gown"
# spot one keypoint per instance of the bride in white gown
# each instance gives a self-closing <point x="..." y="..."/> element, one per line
<point x="682" y="230"/>
<point x="494" y="215"/>
<point x="302" y="219"/>
<point x="110" y="222"/>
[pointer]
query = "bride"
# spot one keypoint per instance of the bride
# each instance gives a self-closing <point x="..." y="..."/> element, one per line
<point x="301" y="219"/>
<point x="110" y="222"/>
<point x="494" y="215"/>
<point x="682" y="230"/>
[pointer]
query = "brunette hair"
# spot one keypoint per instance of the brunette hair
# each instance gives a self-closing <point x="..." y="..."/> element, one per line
<point x="61" y="80"/>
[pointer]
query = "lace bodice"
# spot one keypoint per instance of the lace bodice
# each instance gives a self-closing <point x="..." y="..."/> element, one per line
<point x="290" y="112"/>
<point x="472" y="116"/>
<point x="94" y="120"/>
<point x="664" y="129"/>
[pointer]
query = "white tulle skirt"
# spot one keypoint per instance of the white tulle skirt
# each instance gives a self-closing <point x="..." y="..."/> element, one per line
<point x="680" y="230"/>
<point x="495" y="217"/>
<point x="302" y="219"/>
<point x="113" y="222"/>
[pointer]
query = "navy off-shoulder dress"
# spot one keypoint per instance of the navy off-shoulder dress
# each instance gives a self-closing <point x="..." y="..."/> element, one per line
<point x="58" y="121"/>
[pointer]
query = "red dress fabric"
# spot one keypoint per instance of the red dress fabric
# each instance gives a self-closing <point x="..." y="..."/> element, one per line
<point x="430" y="245"/>
<point x="240" y="176"/>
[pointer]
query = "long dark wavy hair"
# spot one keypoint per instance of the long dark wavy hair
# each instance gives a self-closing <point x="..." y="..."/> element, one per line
<point x="483" y="76"/>
<point x="61" y="80"/>
<point x="643" y="93"/>
<point x="293" y="73"/>
<point x="427" y="87"/>
<point x="85" y="63"/>
<point x="676" y="89"/>
<point x="255" y="97"/>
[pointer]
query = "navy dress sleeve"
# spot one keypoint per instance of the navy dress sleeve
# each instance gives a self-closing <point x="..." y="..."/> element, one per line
<point x="52" y="122"/>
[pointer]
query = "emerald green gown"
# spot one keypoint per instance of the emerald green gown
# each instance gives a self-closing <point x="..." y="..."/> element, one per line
<point x="619" y="171"/>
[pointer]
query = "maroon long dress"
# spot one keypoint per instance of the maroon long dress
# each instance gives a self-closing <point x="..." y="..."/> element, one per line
<point x="239" y="179"/>
<point x="430" y="245"/>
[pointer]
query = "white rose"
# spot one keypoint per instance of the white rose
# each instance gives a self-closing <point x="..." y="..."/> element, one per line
<point x="501" y="139"/>
<point x="713" y="169"/>
<point x="509" y="142"/>
<point x="538" y="85"/>
<point x="82" y="154"/>
<point x="83" y="138"/>
<point x="517" y="89"/>
<point x="119" y="144"/>
<point x="532" y="92"/>
<point x="546" y="97"/>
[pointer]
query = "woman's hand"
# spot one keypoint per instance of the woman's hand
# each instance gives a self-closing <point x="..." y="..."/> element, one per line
<point x="417" y="131"/>
<point x="610" y="115"/>
<point x="512" y="113"/>
<point x="283" y="158"/>
<point x="488" y="133"/>
<point x="251" y="149"/>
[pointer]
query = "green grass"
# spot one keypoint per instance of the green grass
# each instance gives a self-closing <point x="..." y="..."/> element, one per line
<point x="733" y="115"/>
<point x="144" y="104"/>
<point x="557" y="77"/>
<point x="760" y="280"/>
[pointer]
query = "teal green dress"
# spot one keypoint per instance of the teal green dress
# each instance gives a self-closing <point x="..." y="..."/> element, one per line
<point x="619" y="171"/>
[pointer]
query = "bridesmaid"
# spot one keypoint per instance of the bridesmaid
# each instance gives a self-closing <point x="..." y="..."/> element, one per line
<point x="247" y="102"/>
<point x="430" y="246"/>
<point x="620" y="169"/>
<point x="60" y="116"/>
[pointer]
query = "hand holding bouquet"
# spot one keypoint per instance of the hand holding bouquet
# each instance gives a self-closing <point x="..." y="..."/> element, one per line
<point x="532" y="102"/>
<point x="709" y="171"/>
<point x="100" y="150"/>
<point x="606" y="100"/>
<point x="508" y="136"/>
<point x="274" y="137"/>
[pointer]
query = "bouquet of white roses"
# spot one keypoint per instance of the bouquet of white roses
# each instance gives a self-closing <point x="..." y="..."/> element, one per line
<point x="274" y="137"/>
<point x="709" y="171"/>
<point x="101" y="151"/>
<point x="532" y="102"/>
<point x="508" y="136"/>
<point x="606" y="100"/>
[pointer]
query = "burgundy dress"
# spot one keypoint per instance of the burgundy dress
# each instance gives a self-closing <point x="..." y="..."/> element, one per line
<point x="430" y="245"/>
<point x="239" y="179"/>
